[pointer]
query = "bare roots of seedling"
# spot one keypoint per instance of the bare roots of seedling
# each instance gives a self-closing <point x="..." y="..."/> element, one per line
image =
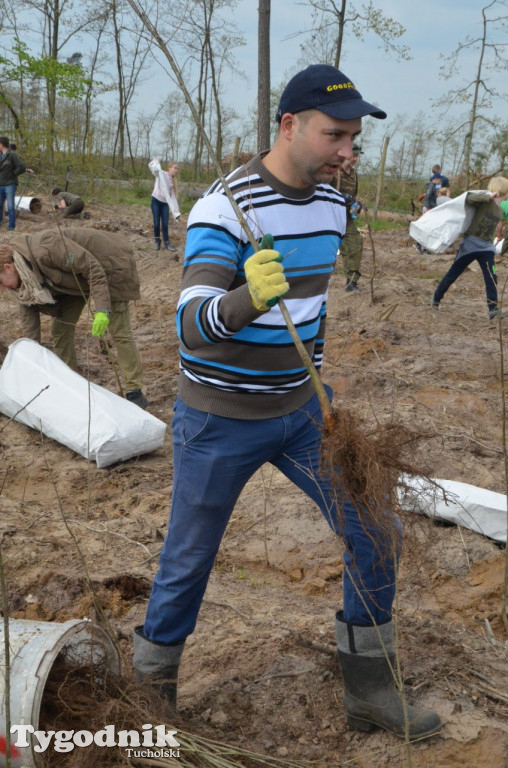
<point x="366" y="465"/>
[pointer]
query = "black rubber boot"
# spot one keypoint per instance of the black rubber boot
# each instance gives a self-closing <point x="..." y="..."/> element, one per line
<point x="156" y="665"/>
<point x="137" y="397"/>
<point x="371" y="697"/>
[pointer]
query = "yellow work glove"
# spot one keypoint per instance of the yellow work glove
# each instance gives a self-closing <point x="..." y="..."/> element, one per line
<point x="100" y="323"/>
<point x="265" y="277"/>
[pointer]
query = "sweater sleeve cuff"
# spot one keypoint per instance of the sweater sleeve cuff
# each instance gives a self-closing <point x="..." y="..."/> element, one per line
<point x="237" y="308"/>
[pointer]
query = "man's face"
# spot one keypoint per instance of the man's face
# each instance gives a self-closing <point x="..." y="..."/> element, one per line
<point x="9" y="277"/>
<point x="319" y="145"/>
<point x="349" y="164"/>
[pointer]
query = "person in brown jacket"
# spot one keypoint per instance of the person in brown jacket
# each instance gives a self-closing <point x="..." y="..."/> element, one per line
<point x="56" y="273"/>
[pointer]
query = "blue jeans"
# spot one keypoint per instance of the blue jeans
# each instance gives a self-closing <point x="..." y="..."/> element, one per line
<point x="160" y="213"/>
<point x="8" y="192"/>
<point x="214" y="457"/>
<point x="486" y="262"/>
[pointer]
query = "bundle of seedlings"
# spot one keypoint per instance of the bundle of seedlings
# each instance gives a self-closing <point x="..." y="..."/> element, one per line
<point x="85" y="699"/>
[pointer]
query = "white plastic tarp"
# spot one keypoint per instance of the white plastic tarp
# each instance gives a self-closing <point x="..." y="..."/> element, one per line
<point x="439" y="227"/>
<point x="87" y="418"/>
<point x="467" y="505"/>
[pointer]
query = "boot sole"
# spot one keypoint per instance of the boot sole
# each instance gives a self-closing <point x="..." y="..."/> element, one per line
<point x="367" y="725"/>
<point x="359" y="725"/>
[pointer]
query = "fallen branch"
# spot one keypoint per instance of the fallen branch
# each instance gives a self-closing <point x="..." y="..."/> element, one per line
<point x="489" y="689"/>
<point x="24" y="406"/>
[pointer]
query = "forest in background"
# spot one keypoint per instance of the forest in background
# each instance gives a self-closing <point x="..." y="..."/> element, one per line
<point x="69" y="78"/>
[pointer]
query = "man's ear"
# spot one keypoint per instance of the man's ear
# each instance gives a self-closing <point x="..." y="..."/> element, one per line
<point x="287" y="125"/>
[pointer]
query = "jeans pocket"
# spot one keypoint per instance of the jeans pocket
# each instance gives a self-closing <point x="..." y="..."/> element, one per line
<point x="189" y="425"/>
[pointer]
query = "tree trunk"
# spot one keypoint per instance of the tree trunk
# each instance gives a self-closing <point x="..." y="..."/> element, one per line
<point x="119" y="147"/>
<point x="235" y="157"/>
<point x="472" y="118"/>
<point x="340" y="35"/>
<point x="263" y="75"/>
<point x="381" y="176"/>
<point x="53" y="19"/>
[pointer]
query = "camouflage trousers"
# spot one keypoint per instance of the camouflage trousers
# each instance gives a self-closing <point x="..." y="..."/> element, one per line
<point x="351" y="250"/>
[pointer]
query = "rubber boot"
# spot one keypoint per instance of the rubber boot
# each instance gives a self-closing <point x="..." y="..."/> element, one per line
<point x="351" y="285"/>
<point x="157" y="245"/>
<point x="371" y="697"/>
<point x="156" y="665"/>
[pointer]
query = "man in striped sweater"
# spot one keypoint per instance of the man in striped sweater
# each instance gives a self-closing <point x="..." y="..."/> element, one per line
<point x="245" y="397"/>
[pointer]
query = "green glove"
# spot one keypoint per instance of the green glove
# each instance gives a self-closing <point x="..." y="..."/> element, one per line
<point x="265" y="277"/>
<point x="100" y="323"/>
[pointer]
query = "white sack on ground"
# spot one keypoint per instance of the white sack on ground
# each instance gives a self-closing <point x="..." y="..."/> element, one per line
<point x="439" y="227"/>
<point x="85" y="417"/>
<point x="475" y="508"/>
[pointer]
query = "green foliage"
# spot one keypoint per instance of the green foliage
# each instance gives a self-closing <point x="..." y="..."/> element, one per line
<point x="139" y="189"/>
<point x="382" y="225"/>
<point x="68" y="79"/>
<point x="396" y="194"/>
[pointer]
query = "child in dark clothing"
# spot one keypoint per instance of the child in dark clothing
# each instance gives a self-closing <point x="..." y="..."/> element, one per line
<point x="478" y="245"/>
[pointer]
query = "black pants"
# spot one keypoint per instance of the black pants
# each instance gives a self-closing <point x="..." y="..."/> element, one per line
<point x="486" y="262"/>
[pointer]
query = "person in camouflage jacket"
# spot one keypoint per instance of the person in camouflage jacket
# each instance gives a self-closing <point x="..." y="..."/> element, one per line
<point x="351" y="248"/>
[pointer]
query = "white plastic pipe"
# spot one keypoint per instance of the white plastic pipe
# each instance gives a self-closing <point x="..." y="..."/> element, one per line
<point x="32" y="204"/>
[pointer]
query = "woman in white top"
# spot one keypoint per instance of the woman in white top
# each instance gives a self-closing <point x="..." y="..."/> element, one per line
<point x="163" y="200"/>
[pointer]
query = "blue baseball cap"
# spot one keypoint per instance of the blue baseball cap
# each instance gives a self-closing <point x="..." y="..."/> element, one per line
<point x="323" y="87"/>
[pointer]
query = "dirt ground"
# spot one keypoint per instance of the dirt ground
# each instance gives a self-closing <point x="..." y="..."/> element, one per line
<point x="260" y="670"/>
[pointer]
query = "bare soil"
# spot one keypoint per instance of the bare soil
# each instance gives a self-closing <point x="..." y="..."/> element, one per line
<point x="260" y="670"/>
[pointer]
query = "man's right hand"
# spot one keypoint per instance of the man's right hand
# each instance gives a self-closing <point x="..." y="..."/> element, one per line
<point x="266" y="279"/>
<point x="100" y="324"/>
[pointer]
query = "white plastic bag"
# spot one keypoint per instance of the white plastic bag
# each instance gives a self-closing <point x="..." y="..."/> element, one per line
<point x="499" y="245"/>
<point x="467" y="505"/>
<point x="439" y="227"/>
<point x="85" y="417"/>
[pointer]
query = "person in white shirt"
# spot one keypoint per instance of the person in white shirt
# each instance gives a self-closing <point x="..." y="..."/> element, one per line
<point x="164" y="199"/>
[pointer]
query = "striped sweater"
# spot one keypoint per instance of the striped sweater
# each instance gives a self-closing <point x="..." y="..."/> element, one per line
<point x="238" y="362"/>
